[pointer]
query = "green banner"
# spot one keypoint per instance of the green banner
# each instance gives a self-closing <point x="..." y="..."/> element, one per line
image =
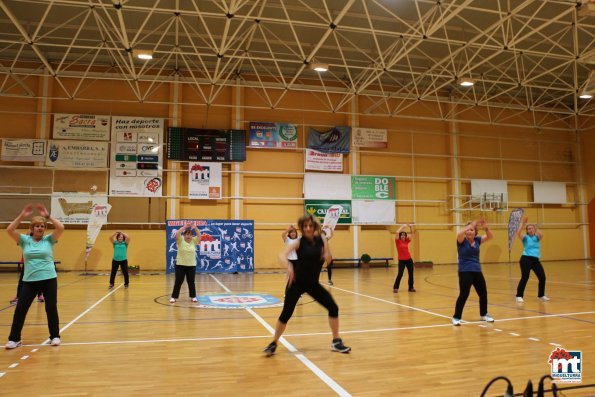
<point x="318" y="209"/>
<point x="373" y="187"/>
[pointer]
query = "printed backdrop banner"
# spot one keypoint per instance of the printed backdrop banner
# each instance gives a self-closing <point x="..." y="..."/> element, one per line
<point x="97" y="219"/>
<point x="369" y="137"/>
<point x="75" y="208"/>
<point x="373" y="187"/>
<point x="84" y="127"/>
<point x="23" y="150"/>
<point x="204" y="180"/>
<point x="77" y="154"/>
<point x="226" y="246"/>
<point x="335" y="140"/>
<point x="373" y="212"/>
<point x="273" y="135"/>
<point x="136" y="157"/>
<point x="319" y="161"/>
<point x="514" y="222"/>
<point x="318" y="208"/>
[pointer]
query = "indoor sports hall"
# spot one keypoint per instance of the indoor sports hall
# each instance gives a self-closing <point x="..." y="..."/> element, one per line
<point x="126" y="122"/>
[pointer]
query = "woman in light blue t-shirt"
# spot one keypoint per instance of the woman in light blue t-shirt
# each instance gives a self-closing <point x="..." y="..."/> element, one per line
<point x="39" y="271"/>
<point x="530" y="260"/>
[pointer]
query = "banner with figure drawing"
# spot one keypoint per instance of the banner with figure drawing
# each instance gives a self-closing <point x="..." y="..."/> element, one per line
<point x="514" y="222"/>
<point x="226" y="246"/>
<point x="97" y="219"/>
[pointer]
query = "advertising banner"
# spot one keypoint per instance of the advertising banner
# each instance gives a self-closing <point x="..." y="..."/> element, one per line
<point x="97" y="219"/>
<point x="77" y="154"/>
<point x="369" y="137"/>
<point x="136" y="157"/>
<point x="74" y="208"/>
<point x="319" y="208"/>
<point x="226" y="246"/>
<point x="319" y="161"/>
<point x="82" y="127"/>
<point x="373" y="187"/>
<point x="514" y="222"/>
<point x="335" y="140"/>
<point x="23" y="150"/>
<point x="273" y="135"/>
<point x="204" y="180"/>
<point x="374" y="212"/>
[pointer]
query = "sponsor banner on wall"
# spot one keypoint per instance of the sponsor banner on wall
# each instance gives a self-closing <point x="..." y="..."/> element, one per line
<point x="373" y="212"/>
<point x="319" y="161"/>
<point x="77" y="154"/>
<point x="318" y="208"/>
<point x="273" y="135"/>
<point x="82" y="127"/>
<point x="97" y="219"/>
<point x="74" y="208"/>
<point x="23" y="150"/>
<point x="136" y="156"/>
<point x="369" y="137"/>
<point x="335" y="140"/>
<point x="373" y="187"/>
<point x="226" y="246"/>
<point x="514" y="222"/>
<point x="204" y="180"/>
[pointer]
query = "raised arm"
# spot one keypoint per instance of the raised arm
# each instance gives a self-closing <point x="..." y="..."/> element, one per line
<point x="197" y="231"/>
<point x="488" y="232"/>
<point x="112" y="238"/>
<point x="58" y="226"/>
<point x="399" y="230"/>
<point x="126" y="238"/>
<point x="411" y="228"/>
<point x="461" y="234"/>
<point x="519" y="232"/>
<point x="181" y="230"/>
<point x="538" y="233"/>
<point x="12" y="228"/>
<point x="286" y="233"/>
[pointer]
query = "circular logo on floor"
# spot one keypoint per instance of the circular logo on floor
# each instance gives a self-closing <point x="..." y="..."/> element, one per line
<point x="237" y="301"/>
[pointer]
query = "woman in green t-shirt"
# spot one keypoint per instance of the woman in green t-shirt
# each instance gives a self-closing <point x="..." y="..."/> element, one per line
<point x="186" y="261"/>
<point x="120" y="241"/>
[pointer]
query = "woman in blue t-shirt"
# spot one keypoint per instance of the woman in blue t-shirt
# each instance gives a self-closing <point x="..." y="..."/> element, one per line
<point x="39" y="271"/>
<point x="530" y="260"/>
<point x="470" y="274"/>
<point x="120" y="241"/>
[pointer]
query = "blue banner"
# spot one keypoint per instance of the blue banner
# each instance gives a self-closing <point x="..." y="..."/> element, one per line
<point x="335" y="140"/>
<point x="226" y="246"/>
<point x="273" y="135"/>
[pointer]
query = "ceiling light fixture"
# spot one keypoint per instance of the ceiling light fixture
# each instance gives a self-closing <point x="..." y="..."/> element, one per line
<point x="586" y="95"/>
<point x="145" y="55"/>
<point x="319" y="67"/>
<point x="466" y="82"/>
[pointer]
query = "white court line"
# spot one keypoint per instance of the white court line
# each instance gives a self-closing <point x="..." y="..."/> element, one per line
<point x="317" y="371"/>
<point x="2" y="374"/>
<point x="534" y="339"/>
<point x="24" y="357"/>
<point x="14" y="365"/>
<point x="514" y="334"/>
<point x="555" y="344"/>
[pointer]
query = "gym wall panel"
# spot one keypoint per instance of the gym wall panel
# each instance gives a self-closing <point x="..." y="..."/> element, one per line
<point x="439" y="167"/>
<point x="520" y="171"/>
<point x="478" y="168"/>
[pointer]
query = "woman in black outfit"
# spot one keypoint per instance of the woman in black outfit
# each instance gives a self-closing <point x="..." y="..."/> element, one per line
<point x="312" y="251"/>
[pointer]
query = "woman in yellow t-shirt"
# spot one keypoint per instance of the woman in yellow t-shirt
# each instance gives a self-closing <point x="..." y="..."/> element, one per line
<point x="186" y="261"/>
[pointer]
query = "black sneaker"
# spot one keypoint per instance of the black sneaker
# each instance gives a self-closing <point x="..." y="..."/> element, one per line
<point x="338" y="346"/>
<point x="270" y="349"/>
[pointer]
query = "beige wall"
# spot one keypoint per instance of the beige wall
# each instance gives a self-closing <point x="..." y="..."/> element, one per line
<point x="420" y="155"/>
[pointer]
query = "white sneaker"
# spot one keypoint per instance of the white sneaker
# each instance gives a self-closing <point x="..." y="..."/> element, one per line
<point x="544" y="298"/>
<point x="487" y="318"/>
<point x="172" y="300"/>
<point x="519" y="299"/>
<point x="456" y="321"/>
<point x="12" y="345"/>
<point x="194" y="300"/>
<point x="55" y="342"/>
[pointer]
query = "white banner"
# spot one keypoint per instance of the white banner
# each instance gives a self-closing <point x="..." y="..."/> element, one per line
<point x="23" y="150"/>
<point x="84" y="127"/>
<point x="373" y="212"/>
<point x="369" y="137"/>
<point x="204" y="180"/>
<point x="137" y="157"/>
<point x="319" y="161"/>
<point x="97" y="219"/>
<point x="74" y="208"/>
<point x="324" y="186"/>
<point x="77" y="154"/>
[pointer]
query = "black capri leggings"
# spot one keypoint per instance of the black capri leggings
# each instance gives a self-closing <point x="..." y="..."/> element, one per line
<point x="316" y="291"/>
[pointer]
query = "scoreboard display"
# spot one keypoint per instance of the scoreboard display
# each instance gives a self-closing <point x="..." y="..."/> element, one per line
<point x="192" y="144"/>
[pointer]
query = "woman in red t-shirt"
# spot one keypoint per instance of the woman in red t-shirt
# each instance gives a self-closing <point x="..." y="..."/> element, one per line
<point x="402" y="242"/>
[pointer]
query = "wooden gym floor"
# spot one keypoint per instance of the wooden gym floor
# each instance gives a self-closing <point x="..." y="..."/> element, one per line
<point x="132" y="342"/>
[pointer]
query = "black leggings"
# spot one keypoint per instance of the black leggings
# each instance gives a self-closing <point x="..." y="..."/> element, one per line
<point x="28" y="293"/>
<point x="409" y="265"/>
<point x="188" y="273"/>
<point x="466" y="280"/>
<point x="529" y="263"/>
<point x="316" y="291"/>
<point x="119" y="264"/>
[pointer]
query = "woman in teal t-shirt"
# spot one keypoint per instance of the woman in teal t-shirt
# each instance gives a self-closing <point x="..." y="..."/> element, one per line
<point x="530" y="260"/>
<point x="120" y="241"/>
<point x="39" y="273"/>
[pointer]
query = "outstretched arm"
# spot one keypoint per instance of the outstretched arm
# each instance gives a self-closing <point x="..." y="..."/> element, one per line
<point x="12" y="228"/>
<point x="58" y="226"/>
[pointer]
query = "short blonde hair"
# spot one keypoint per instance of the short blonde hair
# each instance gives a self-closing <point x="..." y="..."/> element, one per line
<point x="37" y="220"/>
